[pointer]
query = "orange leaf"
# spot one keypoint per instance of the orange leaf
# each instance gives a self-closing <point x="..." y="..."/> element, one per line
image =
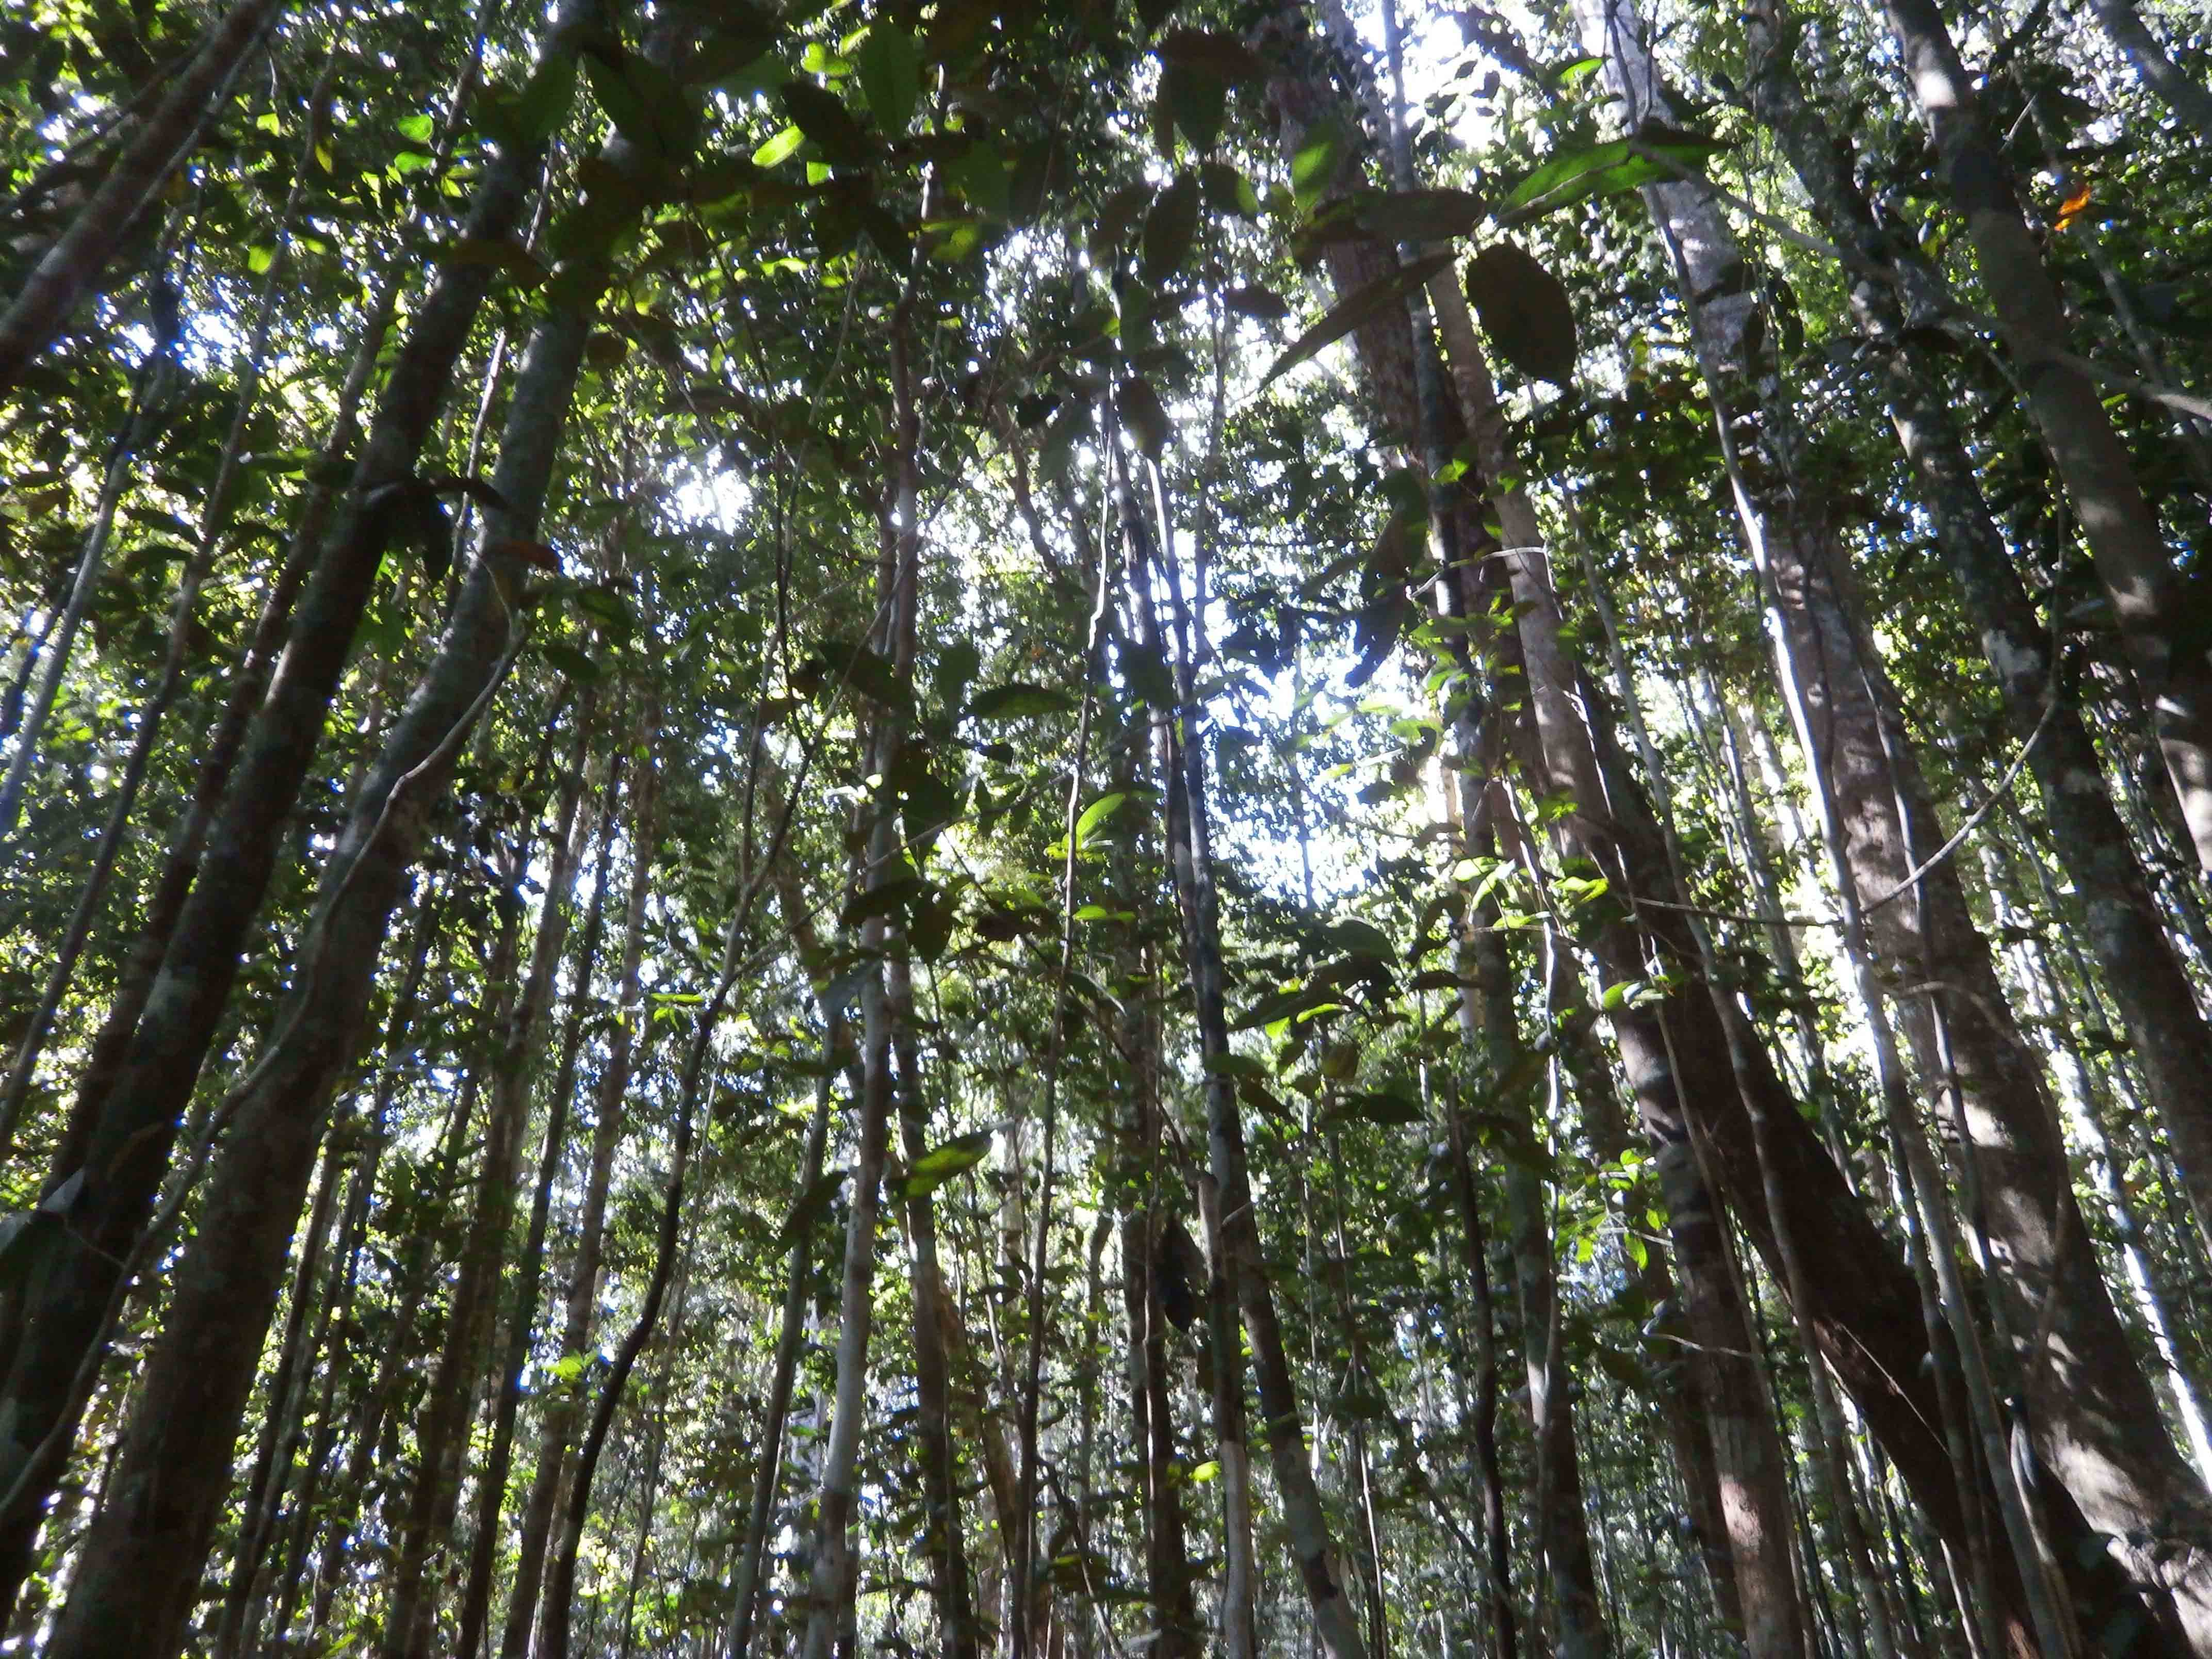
<point x="2075" y="204"/>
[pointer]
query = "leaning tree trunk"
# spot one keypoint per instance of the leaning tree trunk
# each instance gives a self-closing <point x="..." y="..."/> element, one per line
<point x="2190" y="100"/>
<point x="2172" y="671"/>
<point x="41" y="310"/>
<point x="64" y="1309"/>
<point x="2094" y="1412"/>
<point x="2171" y="1039"/>
<point x="1867" y="1316"/>
<point x="441" y="1439"/>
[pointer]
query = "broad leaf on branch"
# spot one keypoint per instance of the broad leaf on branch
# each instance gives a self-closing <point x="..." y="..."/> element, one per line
<point x="810" y="1207"/>
<point x="1608" y="169"/>
<point x="940" y="1163"/>
<point x="822" y="116"/>
<point x="1363" y="305"/>
<point x="1526" y="311"/>
<point x="1018" y="700"/>
<point x="891" y="76"/>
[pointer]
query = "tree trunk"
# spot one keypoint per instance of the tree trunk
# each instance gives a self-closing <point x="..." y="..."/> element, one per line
<point x="287" y="1398"/>
<point x="2173" y="674"/>
<point x="64" y="1307"/>
<point x="557" y="1432"/>
<point x="1306" y="1522"/>
<point x="2191" y="103"/>
<point x="2094" y="1412"/>
<point x="529" y="1267"/>
<point x="2172" y="1040"/>
<point x="41" y="310"/>
<point x="1497" y="1538"/>
<point x="943" y="1540"/>
<point x="352" y="1234"/>
<point x="1148" y="1226"/>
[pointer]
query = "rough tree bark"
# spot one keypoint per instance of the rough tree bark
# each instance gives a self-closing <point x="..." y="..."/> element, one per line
<point x="64" y="1309"/>
<point x="2170" y="1038"/>
<point x="2132" y="560"/>
<point x="2092" y="1410"/>
<point x="41" y="310"/>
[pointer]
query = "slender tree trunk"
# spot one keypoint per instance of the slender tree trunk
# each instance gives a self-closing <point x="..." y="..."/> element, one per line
<point x="2174" y="676"/>
<point x="557" y="1432"/>
<point x="1305" y="1521"/>
<point x="561" y="1574"/>
<point x="65" y="1306"/>
<point x="2157" y="1003"/>
<point x="1150" y="1240"/>
<point x="529" y="1275"/>
<point x="1509" y="1075"/>
<point x="378" y="1408"/>
<point x="91" y="565"/>
<point x="1497" y="1535"/>
<point x="287" y="1398"/>
<point x="942" y="1539"/>
<point x="41" y="310"/>
<point x="353" y="1232"/>
<point x="790" y="1333"/>
<point x="442" y="1434"/>
<point x="2191" y="102"/>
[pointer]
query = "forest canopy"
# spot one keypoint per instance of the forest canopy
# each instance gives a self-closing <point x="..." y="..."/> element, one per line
<point x="1106" y="829"/>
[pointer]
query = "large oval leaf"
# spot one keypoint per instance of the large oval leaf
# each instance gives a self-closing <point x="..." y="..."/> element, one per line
<point x="1526" y="311"/>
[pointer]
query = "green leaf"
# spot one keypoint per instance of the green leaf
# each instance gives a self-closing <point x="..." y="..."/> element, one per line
<point x="940" y="1163"/>
<point x="1222" y="55"/>
<point x="1363" y="305"/>
<point x="1315" y="166"/>
<point x="1170" y="229"/>
<point x="1197" y="102"/>
<point x="780" y="148"/>
<point x="1607" y="169"/>
<point x="1096" y="813"/>
<point x="1263" y="303"/>
<point x="980" y="174"/>
<point x="1228" y="191"/>
<point x="955" y="667"/>
<point x="822" y="116"/>
<point x="1390" y="1108"/>
<point x="891" y="76"/>
<point x="1420" y="215"/>
<point x="881" y="900"/>
<point x="1242" y="1066"/>
<point x="546" y="98"/>
<point x="1526" y="311"/>
<point x="1281" y="1004"/>
<point x="1018" y="700"/>
<point x="1364" y="938"/>
<point x="808" y="1210"/>
<point x="624" y="105"/>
